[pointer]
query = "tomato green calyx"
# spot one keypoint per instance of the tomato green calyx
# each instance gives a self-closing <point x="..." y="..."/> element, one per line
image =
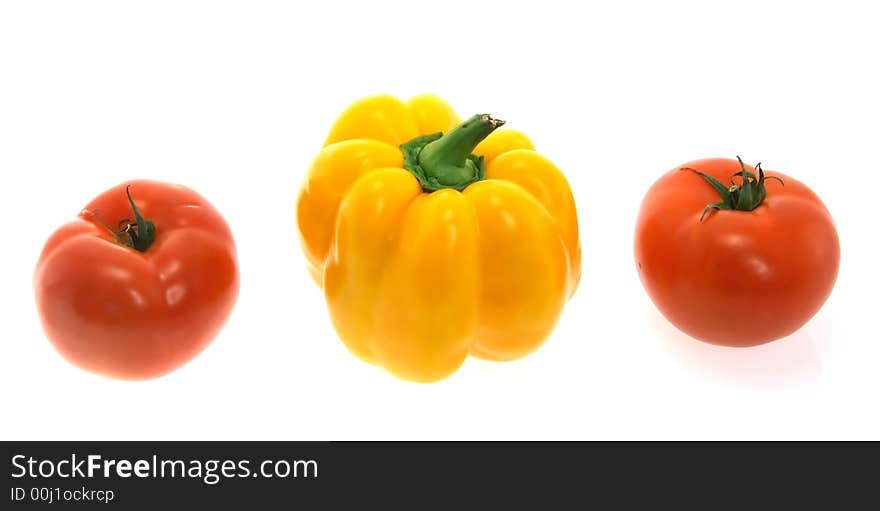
<point x="139" y="234"/>
<point x="446" y="160"/>
<point x="743" y="197"/>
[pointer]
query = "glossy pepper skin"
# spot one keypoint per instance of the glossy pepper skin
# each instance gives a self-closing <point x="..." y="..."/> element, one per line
<point x="419" y="273"/>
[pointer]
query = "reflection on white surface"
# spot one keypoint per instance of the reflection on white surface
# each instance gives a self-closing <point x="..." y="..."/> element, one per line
<point x="791" y="361"/>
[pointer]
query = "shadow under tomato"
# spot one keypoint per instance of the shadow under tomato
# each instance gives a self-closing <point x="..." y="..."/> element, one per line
<point x="793" y="361"/>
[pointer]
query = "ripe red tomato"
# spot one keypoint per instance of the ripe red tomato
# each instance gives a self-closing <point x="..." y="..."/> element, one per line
<point x="142" y="298"/>
<point x="735" y="277"/>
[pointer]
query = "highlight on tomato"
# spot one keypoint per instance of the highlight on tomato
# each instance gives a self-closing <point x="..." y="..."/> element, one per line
<point x="735" y="255"/>
<point x="139" y="283"/>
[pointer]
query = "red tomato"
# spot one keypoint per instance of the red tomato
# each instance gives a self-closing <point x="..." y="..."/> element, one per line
<point x="736" y="277"/>
<point x="114" y="310"/>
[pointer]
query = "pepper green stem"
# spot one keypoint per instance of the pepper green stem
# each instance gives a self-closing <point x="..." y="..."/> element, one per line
<point x="446" y="160"/>
<point x="745" y="197"/>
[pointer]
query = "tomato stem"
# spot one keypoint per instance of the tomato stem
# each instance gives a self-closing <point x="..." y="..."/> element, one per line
<point x="744" y="197"/>
<point x="446" y="160"/>
<point x="141" y="232"/>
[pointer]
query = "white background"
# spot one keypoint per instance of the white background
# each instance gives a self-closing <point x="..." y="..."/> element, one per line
<point x="235" y="98"/>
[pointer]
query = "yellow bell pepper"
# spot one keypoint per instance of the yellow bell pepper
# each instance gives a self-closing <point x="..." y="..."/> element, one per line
<point x="435" y="239"/>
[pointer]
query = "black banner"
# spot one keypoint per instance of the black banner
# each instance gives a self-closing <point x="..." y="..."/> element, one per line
<point x="150" y="475"/>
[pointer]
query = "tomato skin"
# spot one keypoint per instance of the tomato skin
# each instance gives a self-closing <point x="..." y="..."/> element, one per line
<point x="736" y="278"/>
<point x="112" y="310"/>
